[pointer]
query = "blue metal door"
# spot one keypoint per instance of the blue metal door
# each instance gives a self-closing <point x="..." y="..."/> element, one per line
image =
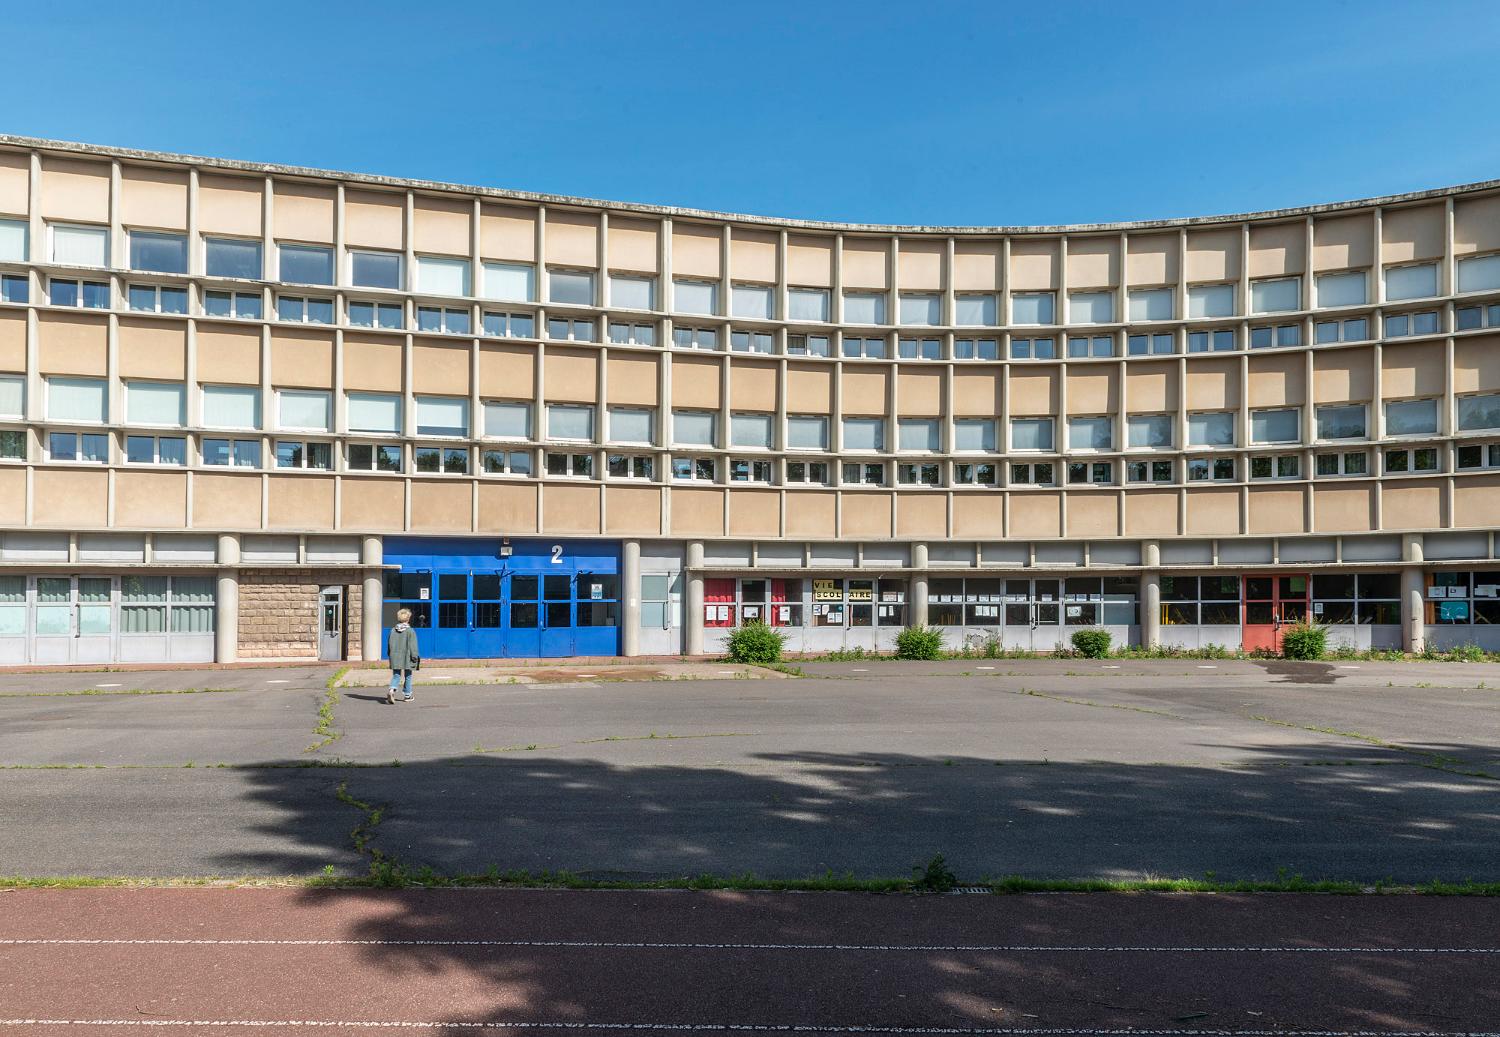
<point x="523" y="626"/>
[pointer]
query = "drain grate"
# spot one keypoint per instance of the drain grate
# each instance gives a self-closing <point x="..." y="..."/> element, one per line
<point x="972" y="889"/>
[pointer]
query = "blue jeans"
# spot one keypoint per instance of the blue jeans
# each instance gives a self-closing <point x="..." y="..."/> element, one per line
<point x="397" y="683"/>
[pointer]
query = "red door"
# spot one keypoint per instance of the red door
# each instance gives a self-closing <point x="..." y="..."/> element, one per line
<point x="1271" y="602"/>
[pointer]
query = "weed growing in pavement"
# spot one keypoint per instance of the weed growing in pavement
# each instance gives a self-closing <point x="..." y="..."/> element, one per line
<point x="935" y="876"/>
<point x="919" y="642"/>
<point x="325" y="731"/>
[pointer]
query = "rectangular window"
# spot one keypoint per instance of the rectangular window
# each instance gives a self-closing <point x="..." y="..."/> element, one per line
<point x="244" y="305"/>
<point x="1356" y="329"/>
<point x="806" y="432"/>
<point x="864" y="473"/>
<point x="299" y="310"/>
<point x="920" y="349"/>
<point x="976" y="349"/>
<point x="445" y="460"/>
<point x="444" y="320"/>
<point x="1399" y="325"/>
<point x="152" y="298"/>
<point x="155" y="403"/>
<point x="1479" y="273"/>
<point x="695" y="428"/>
<point x="1151" y="304"/>
<point x="231" y="406"/>
<point x="1159" y="344"/>
<point x="1216" y="469"/>
<point x="807" y="304"/>
<point x="1091" y="345"/>
<point x="742" y="469"/>
<point x="1478" y="412"/>
<point x="974" y="434"/>
<point x="1033" y="474"/>
<point x="442" y="416"/>
<point x="238" y="453"/>
<point x="864" y="307"/>
<point x="375" y="269"/>
<point x="870" y="348"/>
<point x="1218" y="341"/>
<point x="695" y="296"/>
<point x="77" y="399"/>
<point x="1148" y="471"/>
<point x="1477" y="456"/>
<point x="966" y="473"/>
<point x="1097" y="472"/>
<point x="298" y="454"/>
<point x="1149" y="430"/>
<point x="1091" y="307"/>
<point x="575" y="287"/>
<point x="753" y="300"/>
<point x="1341" y="422"/>
<point x="1211" y="428"/>
<point x="442" y="275"/>
<point x="15" y="288"/>
<point x="864" y="434"/>
<point x="695" y="338"/>
<point x="156" y="450"/>
<point x="632" y="292"/>
<point x="374" y="457"/>
<point x="694" y="469"/>
<point x="13" y="234"/>
<point x="73" y="245"/>
<point x="387" y="315"/>
<point x="1090" y="433"/>
<point x="628" y="466"/>
<point x="975" y="310"/>
<point x="1352" y="463"/>
<point x="807" y="345"/>
<point x="930" y="474"/>
<point x="1033" y="349"/>
<point x="370" y="412"/>
<point x="1211" y="300"/>
<point x="88" y="447"/>
<point x="1411" y="417"/>
<point x="921" y="308"/>
<point x="1031" y="433"/>
<point x="1276" y="295"/>
<point x="507" y="419"/>
<point x="575" y="466"/>
<point x="632" y="334"/>
<point x="12" y="396"/>
<point x="752" y="341"/>
<point x="91" y="295"/>
<point x="158" y="251"/>
<point x="1417" y="281"/>
<point x="513" y="282"/>
<point x="1347" y="288"/>
<point x="1466" y="318"/>
<point x="303" y="409"/>
<point x="1420" y="460"/>
<point x="306" y="264"/>
<point x="564" y="330"/>
<point x="808" y="472"/>
<point x="753" y="430"/>
<point x="232" y="257"/>
<point x="1275" y="426"/>
<point x="631" y="425"/>
<point x="918" y="434"/>
<point x="1282" y="466"/>
<point x="1033" y="308"/>
<point x="506" y="462"/>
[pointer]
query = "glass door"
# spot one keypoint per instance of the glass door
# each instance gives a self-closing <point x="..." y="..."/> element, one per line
<point x="1046" y="615"/>
<point x="1016" y="613"/>
<point x="523" y="628"/>
<point x="485" y="638"/>
<point x="557" y="615"/>
<point x="73" y="619"/>
<point x="1271" y="602"/>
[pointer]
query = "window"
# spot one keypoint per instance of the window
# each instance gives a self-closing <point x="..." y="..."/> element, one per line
<point x="1476" y="456"/>
<point x="807" y="304"/>
<point x="389" y="315"/>
<point x="506" y="462"/>
<point x="864" y="307"/>
<point x="864" y="473"/>
<point x="151" y="298"/>
<point x="1276" y="295"/>
<point x="1211" y="300"/>
<point x="15" y="288"/>
<point x="1351" y="463"/>
<point x="513" y="282"/>
<point x="632" y="292"/>
<point x="300" y="310"/>
<point x="1417" y="460"/>
<point x="694" y="469"/>
<point x="1097" y="472"/>
<point x="1031" y="433"/>
<point x="695" y="296"/>
<point x="1398" y="325"/>
<point x="1091" y="433"/>
<point x="695" y="338"/>
<point x="306" y="264"/>
<point x="1211" y="428"/>
<point x="13" y="234"/>
<point x="232" y="257"/>
<point x="1417" y="281"/>
<point x="1151" y="304"/>
<point x="156" y="450"/>
<point x="509" y="325"/>
<point x="1478" y="412"/>
<point x="743" y="469"/>
<point x="1033" y="308"/>
<point x="370" y="412"/>
<point x="1346" y="422"/>
<point x="12" y="445"/>
<point x="1410" y="417"/>
<point x="920" y="348"/>
<point x="231" y="406"/>
<point x="564" y="330"/>
<point x="442" y="275"/>
<point x="374" y="457"/>
<point x="752" y="341"/>
<point x="158" y="251"/>
<point x="1466" y="318"/>
<point x="1151" y="345"/>
<point x="810" y="472"/>
<point x="1035" y="474"/>
<point x="1279" y="466"/>
<point x="1364" y="598"/>
<point x="1149" y="430"/>
<point x="864" y="434"/>
<point x="806" y="432"/>
<point x="1148" y="471"/>
<point x="570" y="421"/>
<point x="1348" y="288"/>
<point x="976" y="349"/>
<point x="750" y="430"/>
<point x="155" y="403"/>
<point x="632" y="425"/>
<point x="302" y="409"/>
<point x="1209" y="600"/>
<point x="973" y="434"/>
<point x="1216" y="469"/>
<point x="1091" y="307"/>
<point x="12" y="396"/>
<point x="508" y="419"/>
<point x="1267" y="336"/>
<point x="971" y="473"/>
<point x="921" y="308"/>
<point x="77" y="399"/>
<point x="292" y="453"/>
<point x="1479" y="273"/>
<point x="375" y="269"/>
<point x="448" y="320"/>
<point x="1091" y="345"/>
<point x="1356" y="329"/>
<point x="83" y="447"/>
<point x="929" y="474"/>
<point x="975" y="310"/>
<point x="73" y="245"/>
<point x="871" y="348"/>
<point x="244" y="305"/>
<point x="570" y="466"/>
<point x="630" y="466"/>
<point x="807" y="345"/>
<point x="918" y="434"/>
<point x="695" y="427"/>
<point x="1033" y="349"/>
<point x="443" y="460"/>
<point x="1461" y="598"/>
<point x="575" y="287"/>
<point x="92" y="295"/>
<point x="753" y="300"/>
<point x="1218" y="341"/>
<point x="1275" y="426"/>
<point x="238" y="453"/>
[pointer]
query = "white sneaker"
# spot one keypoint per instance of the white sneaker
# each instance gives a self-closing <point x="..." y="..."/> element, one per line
<point x="390" y="696"/>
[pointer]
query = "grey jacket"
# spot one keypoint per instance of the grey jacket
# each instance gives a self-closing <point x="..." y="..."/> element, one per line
<point x="401" y="649"/>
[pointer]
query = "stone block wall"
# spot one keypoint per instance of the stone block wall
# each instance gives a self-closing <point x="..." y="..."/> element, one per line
<point x="279" y="612"/>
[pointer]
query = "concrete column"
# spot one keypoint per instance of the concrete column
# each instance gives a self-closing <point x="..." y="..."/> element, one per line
<point x="372" y="553"/>
<point x="1413" y="610"/>
<point x="1150" y="595"/>
<point x="630" y="594"/>
<point x="693" y="608"/>
<point x="227" y="601"/>
<point x="918" y="617"/>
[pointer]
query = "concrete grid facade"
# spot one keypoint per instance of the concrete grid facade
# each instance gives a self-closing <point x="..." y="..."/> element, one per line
<point x="552" y="425"/>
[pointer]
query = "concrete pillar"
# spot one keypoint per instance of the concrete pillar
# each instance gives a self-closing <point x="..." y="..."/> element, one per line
<point x="918" y="617"/>
<point x="227" y="601"/>
<point x="693" y="608"/>
<point x="1150" y="595"/>
<point x="1413" y="610"/>
<point x="372" y="553"/>
<point x="630" y="594"/>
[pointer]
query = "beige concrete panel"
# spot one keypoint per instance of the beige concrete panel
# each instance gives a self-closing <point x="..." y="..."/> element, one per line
<point x="752" y="386"/>
<point x="978" y="515"/>
<point x="230" y="204"/>
<point x="508" y="232"/>
<point x="866" y="263"/>
<point x="1476" y="364"/>
<point x="1343" y="376"/>
<point x="695" y="383"/>
<point x="1093" y="514"/>
<point x="153" y="349"/>
<point x="507" y="372"/>
<point x="372" y="363"/>
<point x="1035" y="514"/>
<point x="302" y="359"/>
<point x="13" y="496"/>
<point x="375" y="219"/>
<point x="571" y="509"/>
<point x="866" y="515"/>
<point x="70" y="498"/>
<point x="15" y="183"/>
<point x="227" y="501"/>
<point x="697" y="512"/>
<point x="1278" y="248"/>
<point x="1094" y="262"/>
<point x="1476" y="224"/>
<point x="1343" y="509"/>
<point x="1476" y="501"/>
<point x="864" y="390"/>
<point x="632" y="380"/>
<point x="12" y="341"/>
<point x="75" y="189"/>
<point x="920" y="266"/>
<point x="1213" y="255"/>
<point x="1342" y="242"/>
<point x="304" y="212"/>
<point x="977" y="392"/>
<point x="302" y="502"/>
<point x="920" y="393"/>
<point x="1212" y="512"/>
<point x="809" y="389"/>
<point x="976" y="266"/>
<point x="153" y="197"/>
<point x="1413" y="233"/>
<point x="1414" y="505"/>
<point x="1034" y="391"/>
<point x="1277" y="381"/>
<point x="1211" y="384"/>
<point x="228" y="355"/>
<point x="917" y="514"/>
<point x="369" y="504"/>
<point x="572" y="376"/>
<point x="754" y="513"/>
<point x="442" y="225"/>
<point x="695" y="250"/>
<point x="1093" y="389"/>
<point x="1276" y="510"/>
<point x="71" y="344"/>
<point x="752" y="255"/>
<point x="634" y="244"/>
<point x="809" y="261"/>
<point x="151" y="500"/>
<point x="440" y="506"/>
<point x="811" y="514"/>
<point x="1033" y="264"/>
<point x="632" y="510"/>
<point x="1151" y="513"/>
<point x="1149" y="388"/>
<point x="506" y="507"/>
<point x="1417" y="369"/>
<point x="440" y="367"/>
<point x="572" y="238"/>
<point x="1153" y="259"/>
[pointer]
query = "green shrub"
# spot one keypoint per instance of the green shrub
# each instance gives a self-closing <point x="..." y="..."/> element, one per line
<point x="1468" y="652"/>
<point x="1092" y="643"/>
<point x="919" y="643"/>
<point x="756" y="643"/>
<point x="1304" y="641"/>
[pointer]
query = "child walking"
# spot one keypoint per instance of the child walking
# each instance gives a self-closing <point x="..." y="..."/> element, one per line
<point x="401" y="649"/>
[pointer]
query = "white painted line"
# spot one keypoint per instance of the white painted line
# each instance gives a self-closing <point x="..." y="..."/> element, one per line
<point x="859" y="669"/>
<point x="595" y="674"/>
<point x="1346" y="667"/>
<point x="1111" y="666"/>
<point x="984" y="667"/>
<point x="106" y="685"/>
<point x="278" y="682"/>
<point x="1208" y="667"/>
<point x="728" y="671"/>
<point x="442" y="677"/>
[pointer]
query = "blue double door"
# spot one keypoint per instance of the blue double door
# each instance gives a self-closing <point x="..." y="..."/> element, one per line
<point x="484" y="598"/>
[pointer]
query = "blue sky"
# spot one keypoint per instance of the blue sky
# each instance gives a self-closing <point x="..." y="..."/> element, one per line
<point x="983" y="113"/>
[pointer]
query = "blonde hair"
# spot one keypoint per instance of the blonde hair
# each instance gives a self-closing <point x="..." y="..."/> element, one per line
<point x="403" y="615"/>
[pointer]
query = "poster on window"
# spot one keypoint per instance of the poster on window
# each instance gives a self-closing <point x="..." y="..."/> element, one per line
<point x="827" y="590"/>
<point x="1074" y="611"/>
<point x="751" y="613"/>
<point x="860" y="593"/>
<point x="1454" y="611"/>
<point x="783" y="614"/>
